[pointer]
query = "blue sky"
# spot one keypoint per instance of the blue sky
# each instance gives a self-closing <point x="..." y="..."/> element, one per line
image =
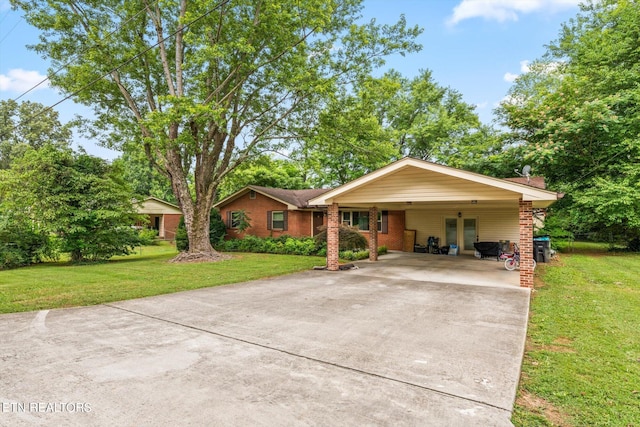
<point x="476" y="47"/>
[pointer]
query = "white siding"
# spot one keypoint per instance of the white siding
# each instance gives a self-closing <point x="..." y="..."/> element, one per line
<point x="493" y="225"/>
<point x="152" y="206"/>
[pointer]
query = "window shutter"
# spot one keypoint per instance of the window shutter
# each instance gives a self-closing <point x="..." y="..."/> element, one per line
<point x="385" y="222"/>
<point x="229" y="219"/>
<point x="269" y="218"/>
<point x="285" y="215"/>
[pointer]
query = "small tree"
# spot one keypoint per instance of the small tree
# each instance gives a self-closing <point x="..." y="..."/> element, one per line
<point x="350" y="238"/>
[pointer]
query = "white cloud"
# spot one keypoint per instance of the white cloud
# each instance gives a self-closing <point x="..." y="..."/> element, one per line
<point x="505" y="10"/>
<point x="482" y="105"/>
<point x="524" y="68"/>
<point x="19" y="80"/>
<point x="510" y="77"/>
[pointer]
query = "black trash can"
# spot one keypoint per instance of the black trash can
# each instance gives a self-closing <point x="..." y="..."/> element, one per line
<point x="542" y="249"/>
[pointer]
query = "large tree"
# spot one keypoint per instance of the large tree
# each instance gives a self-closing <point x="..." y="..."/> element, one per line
<point x="29" y="124"/>
<point x="382" y="119"/>
<point x="576" y="117"/>
<point x="203" y="86"/>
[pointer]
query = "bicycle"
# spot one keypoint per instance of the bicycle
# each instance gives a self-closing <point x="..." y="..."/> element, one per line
<point x="512" y="261"/>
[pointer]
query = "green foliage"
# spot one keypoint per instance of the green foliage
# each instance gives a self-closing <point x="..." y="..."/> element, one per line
<point x="227" y="82"/>
<point x="383" y="119"/>
<point x="217" y="231"/>
<point x="21" y="243"/>
<point x="79" y="198"/>
<point x="576" y="118"/>
<point x="273" y="245"/>
<point x="263" y="171"/>
<point x="350" y="238"/>
<point x="144" y="179"/>
<point x="29" y="124"/>
<point x="147" y="236"/>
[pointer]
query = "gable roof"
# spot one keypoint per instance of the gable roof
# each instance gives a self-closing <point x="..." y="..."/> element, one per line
<point x="153" y="205"/>
<point x="294" y="199"/>
<point x="413" y="180"/>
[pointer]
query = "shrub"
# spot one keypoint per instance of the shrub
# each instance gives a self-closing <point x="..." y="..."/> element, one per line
<point x="350" y="238"/>
<point x="21" y="244"/>
<point x="273" y="245"/>
<point x="147" y="236"/>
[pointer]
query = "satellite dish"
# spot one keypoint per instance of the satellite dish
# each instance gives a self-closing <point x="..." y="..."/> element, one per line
<point x="526" y="172"/>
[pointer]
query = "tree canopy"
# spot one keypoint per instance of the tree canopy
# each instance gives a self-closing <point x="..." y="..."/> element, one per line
<point x="575" y="117"/>
<point x="79" y="198"/>
<point x="29" y="124"/>
<point x="203" y="86"/>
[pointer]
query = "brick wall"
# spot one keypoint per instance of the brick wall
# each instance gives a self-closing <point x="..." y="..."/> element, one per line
<point x="526" y="244"/>
<point x="171" y="222"/>
<point x="393" y="240"/>
<point x="298" y="222"/>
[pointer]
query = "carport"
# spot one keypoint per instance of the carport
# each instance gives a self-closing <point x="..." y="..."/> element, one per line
<point x="475" y="207"/>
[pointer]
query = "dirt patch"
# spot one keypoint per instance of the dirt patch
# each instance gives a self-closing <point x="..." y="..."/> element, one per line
<point x="559" y="345"/>
<point x="190" y="257"/>
<point x="540" y="406"/>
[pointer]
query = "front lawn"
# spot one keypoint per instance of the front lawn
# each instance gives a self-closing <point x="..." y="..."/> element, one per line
<point x="582" y="362"/>
<point x="147" y="273"/>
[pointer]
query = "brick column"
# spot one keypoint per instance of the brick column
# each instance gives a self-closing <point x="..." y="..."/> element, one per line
<point x="333" y="244"/>
<point x="373" y="234"/>
<point x="526" y="244"/>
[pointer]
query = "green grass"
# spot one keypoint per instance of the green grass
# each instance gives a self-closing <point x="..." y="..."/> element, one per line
<point x="582" y="363"/>
<point x="147" y="273"/>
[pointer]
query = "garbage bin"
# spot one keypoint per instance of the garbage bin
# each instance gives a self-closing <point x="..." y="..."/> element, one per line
<point x="542" y="248"/>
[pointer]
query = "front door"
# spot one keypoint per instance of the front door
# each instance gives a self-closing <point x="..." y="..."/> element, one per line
<point x="470" y="234"/>
<point x="317" y="222"/>
<point x="450" y="231"/>
<point x="462" y="232"/>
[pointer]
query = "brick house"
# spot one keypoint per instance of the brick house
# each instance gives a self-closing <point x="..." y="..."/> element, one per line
<point x="275" y="212"/>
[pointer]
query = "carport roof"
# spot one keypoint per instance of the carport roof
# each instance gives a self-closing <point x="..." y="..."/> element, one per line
<point x="411" y="180"/>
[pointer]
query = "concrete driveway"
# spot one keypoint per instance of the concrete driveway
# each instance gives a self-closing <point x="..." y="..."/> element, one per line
<point x="380" y="345"/>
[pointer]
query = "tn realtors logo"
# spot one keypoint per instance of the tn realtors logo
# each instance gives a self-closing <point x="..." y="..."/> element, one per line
<point x="45" y="407"/>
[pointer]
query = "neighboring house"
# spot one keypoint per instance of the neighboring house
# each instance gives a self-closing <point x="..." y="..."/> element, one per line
<point x="162" y="217"/>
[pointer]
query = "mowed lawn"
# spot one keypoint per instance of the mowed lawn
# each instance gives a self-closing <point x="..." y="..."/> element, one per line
<point x="146" y="273"/>
<point x="582" y="362"/>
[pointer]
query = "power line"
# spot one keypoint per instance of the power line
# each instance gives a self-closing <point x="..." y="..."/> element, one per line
<point x="94" y="81"/>
<point x="11" y="30"/>
<point x="48" y="77"/>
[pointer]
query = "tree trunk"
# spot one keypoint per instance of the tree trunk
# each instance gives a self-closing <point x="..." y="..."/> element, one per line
<point x="198" y="232"/>
<point x="196" y="213"/>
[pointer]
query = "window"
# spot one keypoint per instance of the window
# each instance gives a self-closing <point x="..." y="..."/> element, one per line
<point x="277" y="220"/>
<point x="234" y="219"/>
<point x="360" y="219"/>
<point x="252" y="194"/>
